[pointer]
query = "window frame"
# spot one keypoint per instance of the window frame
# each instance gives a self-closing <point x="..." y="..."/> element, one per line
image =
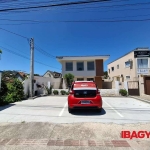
<point x="118" y="66"/>
<point x="127" y="66"/>
<point x="142" y="58"/>
<point x="111" y="69"/>
<point x="66" y="66"/>
<point x="93" y="66"/>
<point x="80" y="78"/>
<point x="77" y="65"/>
<point x="128" y="78"/>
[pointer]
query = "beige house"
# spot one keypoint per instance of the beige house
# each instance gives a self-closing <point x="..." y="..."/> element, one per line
<point x="133" y="67"/>
<point x="84" y="67"/>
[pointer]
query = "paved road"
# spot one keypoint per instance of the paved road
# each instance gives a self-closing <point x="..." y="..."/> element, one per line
<point x="54" y="109"/>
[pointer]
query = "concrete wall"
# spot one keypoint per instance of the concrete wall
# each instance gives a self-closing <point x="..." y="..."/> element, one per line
<point x="103" y="92"/>
<point x="41" y="81"/>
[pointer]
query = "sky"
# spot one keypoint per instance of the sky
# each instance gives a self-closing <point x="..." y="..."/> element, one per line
<point x="72" y="38"/>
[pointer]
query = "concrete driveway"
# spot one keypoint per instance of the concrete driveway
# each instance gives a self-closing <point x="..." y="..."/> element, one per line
<point x="54" y="109"/>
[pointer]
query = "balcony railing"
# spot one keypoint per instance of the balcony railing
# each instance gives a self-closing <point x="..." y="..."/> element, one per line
<point x="143" y="71"/>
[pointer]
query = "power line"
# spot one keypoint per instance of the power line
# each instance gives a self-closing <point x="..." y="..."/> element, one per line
<point x="54" y="5"/>
<point x="47" y="21"/>
<point x="87" y="21"/>
<point x="15" y="53"/>
<point x="44" y="52"/>
<point x="14" y="33"/>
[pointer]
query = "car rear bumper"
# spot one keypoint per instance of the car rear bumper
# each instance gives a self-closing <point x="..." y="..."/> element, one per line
<point x="96" y="102"/>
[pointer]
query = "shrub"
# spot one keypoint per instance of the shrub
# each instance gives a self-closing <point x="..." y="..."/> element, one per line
<point x="49" y="90"/>
<point x="15" y="92"/>
<point x="63" y="92"/>
<point x="3" y="92"/>
<point x="67" y="93"/>
<point x="55" y="92"/>
<point x="123" y="92"/>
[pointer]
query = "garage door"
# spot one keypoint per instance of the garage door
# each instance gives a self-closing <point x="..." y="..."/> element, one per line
<point x="147" y="85"/>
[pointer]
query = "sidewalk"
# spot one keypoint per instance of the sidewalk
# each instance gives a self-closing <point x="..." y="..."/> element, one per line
<point x="93" y="136"/>
<point x="145" y="98"/>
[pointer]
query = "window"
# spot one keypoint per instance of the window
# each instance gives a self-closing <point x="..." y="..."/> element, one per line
<point x="80" y="66"/>
<point x="80" y="79"/>
<point x="127" y="77"/>
<point x="109" y="70"/>
<point x="142" y="63"/>
<point x="127" y="64"/>
<point x="117" y="66"/>
<point x="90" y="79"/>
<point x="90" y="65"/>
<point x="69" y="66"/>
<point x="112" y="68"/>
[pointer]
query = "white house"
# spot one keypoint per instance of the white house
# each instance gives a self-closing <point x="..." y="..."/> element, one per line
<point x="84" y="67"/>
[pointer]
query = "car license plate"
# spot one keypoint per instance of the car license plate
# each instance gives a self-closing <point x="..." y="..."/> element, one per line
<point x="85" y="102"/>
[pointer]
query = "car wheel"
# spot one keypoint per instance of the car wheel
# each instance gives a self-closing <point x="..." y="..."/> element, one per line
<point x="99" y="109"/>
<point x="69" y="110"/>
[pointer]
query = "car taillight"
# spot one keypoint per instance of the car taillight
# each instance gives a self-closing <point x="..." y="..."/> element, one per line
<point x="98" y="92"/>
<point x="72" y="92"/>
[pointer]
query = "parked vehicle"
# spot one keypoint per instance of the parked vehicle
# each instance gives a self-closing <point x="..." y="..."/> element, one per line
<point x="84" y="94"/>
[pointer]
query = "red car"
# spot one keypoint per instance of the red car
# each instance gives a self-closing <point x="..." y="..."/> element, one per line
<point x="84" y="94"/>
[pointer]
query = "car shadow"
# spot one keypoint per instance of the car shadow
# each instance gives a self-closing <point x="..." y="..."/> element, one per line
<point x="2" y="107"/>
<point x="88" y="112"/>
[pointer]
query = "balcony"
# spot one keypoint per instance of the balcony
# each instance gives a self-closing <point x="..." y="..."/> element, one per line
<point x="143" y="71"/>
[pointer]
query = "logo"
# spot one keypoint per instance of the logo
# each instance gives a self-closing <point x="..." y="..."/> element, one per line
<point x="134" y="134"/>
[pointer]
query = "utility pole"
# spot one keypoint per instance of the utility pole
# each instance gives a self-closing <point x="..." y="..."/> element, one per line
<point x="31" y="67"/>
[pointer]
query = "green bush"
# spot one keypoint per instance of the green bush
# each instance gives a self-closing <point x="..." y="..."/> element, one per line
<point x="49" y="90"/>
<point x="123" y="92"/>
<point x="63" y="92"/>
<point x="15" y="92"/>
<point x="67" y="93"/>
<point x="55" y="92"/>
<point x="3" y="92"/>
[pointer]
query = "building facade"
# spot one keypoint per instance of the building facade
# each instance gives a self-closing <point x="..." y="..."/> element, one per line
<point x="84" y="67"/>
<point x="134" y="66"/>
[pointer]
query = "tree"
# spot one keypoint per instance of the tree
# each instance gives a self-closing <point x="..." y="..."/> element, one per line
<point x="0" y="53"/>
<point x="69" y="78"/>
<point x="105" y="75"/>
<point x="3" y="92"/>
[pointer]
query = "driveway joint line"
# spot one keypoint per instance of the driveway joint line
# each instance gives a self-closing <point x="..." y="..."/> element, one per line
<point x="113" y="109"/>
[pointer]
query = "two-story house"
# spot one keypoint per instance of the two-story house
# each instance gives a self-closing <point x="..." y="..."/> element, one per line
<point x="133" y="66"/>
<point x="84" y="67"/>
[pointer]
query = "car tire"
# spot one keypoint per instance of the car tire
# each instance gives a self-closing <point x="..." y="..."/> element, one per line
<point x="99" y="110"/>
<point x="69" y="110"/>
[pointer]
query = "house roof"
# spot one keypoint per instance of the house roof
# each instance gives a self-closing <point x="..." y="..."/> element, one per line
<point x="52" y="72"/>
<point x="86" y="57"/>
<point x="136" y="49"/>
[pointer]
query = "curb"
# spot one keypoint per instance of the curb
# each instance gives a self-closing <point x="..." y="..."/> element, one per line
<point x="143" y="100"/>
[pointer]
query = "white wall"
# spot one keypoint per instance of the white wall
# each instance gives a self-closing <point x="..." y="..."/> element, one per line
<point x="84" y="73"/>
<point x="40" y="81"/>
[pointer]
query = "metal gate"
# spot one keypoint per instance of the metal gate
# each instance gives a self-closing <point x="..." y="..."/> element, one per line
<point x="133" y="88"/>
<point x="147" y="85"/>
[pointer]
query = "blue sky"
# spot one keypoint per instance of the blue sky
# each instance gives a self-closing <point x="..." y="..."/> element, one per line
<point x="60" y="38"/>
